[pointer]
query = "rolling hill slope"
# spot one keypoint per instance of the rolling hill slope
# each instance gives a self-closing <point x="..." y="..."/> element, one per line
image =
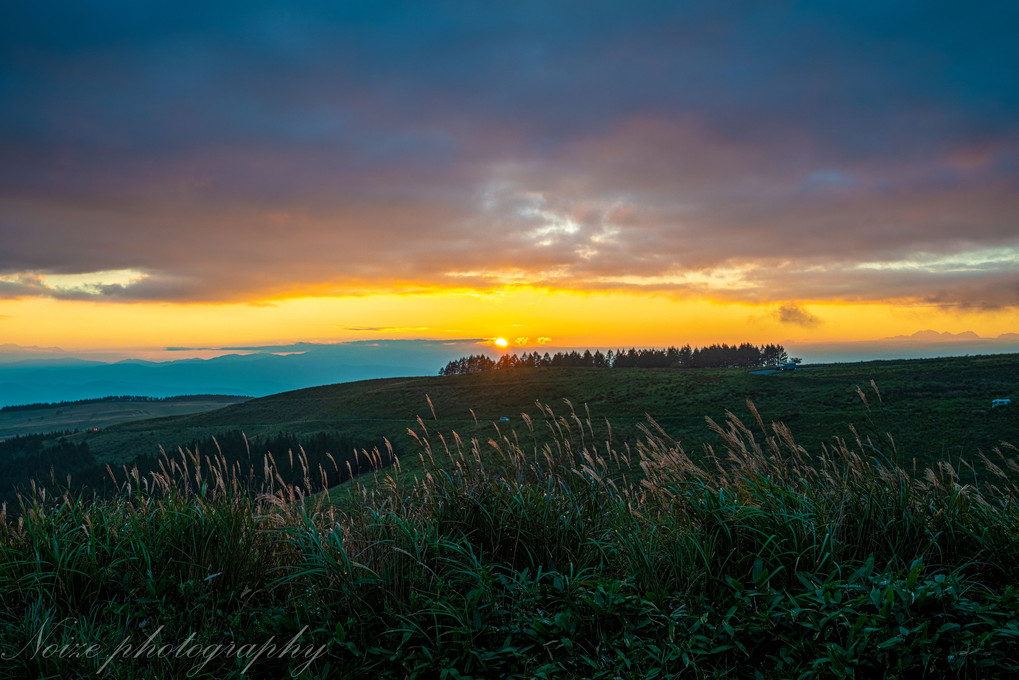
<point x="934" y="409"/>
<point x="83" y="415"/>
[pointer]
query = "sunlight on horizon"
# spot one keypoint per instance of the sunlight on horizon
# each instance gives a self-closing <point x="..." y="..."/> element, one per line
<point x="595" y="319"/>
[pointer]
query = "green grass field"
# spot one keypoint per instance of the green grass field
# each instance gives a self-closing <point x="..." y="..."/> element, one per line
<point x="544" y="547"/>
<point x="937" y="408"/>
<point x="78" y="416"/>
<point x="934" y="409"/>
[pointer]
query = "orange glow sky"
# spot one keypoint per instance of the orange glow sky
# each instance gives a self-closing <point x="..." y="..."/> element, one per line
<point x="528" y="318"/>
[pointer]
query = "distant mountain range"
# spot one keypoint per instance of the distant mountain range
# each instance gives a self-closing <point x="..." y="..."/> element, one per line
<point x="31" y="375"/>
<point x="919" y="345"/>
<point x="945" y="336"/>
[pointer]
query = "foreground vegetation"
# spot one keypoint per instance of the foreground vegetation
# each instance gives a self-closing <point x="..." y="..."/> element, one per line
<point x="549" y="550"/>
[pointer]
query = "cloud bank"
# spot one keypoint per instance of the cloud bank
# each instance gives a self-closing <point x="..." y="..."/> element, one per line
<point x="188" y="152"/>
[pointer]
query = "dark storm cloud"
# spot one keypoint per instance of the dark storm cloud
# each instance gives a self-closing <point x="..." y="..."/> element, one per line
<point x="241" y="150"/>
<point x="793" y="314"/>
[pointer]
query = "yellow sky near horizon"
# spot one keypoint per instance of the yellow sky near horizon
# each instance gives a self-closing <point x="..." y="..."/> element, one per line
<point x="528" y="317"/>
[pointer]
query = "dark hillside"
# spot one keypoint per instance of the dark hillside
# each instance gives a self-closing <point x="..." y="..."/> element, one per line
<point x="934" y="407"/>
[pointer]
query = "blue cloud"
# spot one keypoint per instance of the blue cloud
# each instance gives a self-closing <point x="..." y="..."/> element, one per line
<point x="269" y="131"/>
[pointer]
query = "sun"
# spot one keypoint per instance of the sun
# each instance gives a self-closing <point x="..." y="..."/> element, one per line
<point x="501" y="342"/>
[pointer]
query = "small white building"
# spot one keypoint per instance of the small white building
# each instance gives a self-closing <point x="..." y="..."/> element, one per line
<point x="1000" y="402"/>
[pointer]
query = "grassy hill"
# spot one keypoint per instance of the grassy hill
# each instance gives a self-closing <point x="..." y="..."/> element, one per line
<point x="934" y="408"/>
<point x="88" y="414"/>
<point x="571" y="559"/>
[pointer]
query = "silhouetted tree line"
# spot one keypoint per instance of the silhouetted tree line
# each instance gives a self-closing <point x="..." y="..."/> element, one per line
<point x="125" y="398"/>
<point x="745" y="355"/>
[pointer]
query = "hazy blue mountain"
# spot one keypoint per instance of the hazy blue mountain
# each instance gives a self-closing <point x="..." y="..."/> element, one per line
<point x="266" y="370"/>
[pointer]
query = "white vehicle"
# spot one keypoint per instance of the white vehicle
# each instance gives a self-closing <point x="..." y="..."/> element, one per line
<point x="1000" y="402"/>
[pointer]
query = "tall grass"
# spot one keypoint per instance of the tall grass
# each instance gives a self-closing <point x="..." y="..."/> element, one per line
<point x="547" y="550"/>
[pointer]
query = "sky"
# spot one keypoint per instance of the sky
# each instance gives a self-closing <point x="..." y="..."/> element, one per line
<point x="602" y="174"/>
